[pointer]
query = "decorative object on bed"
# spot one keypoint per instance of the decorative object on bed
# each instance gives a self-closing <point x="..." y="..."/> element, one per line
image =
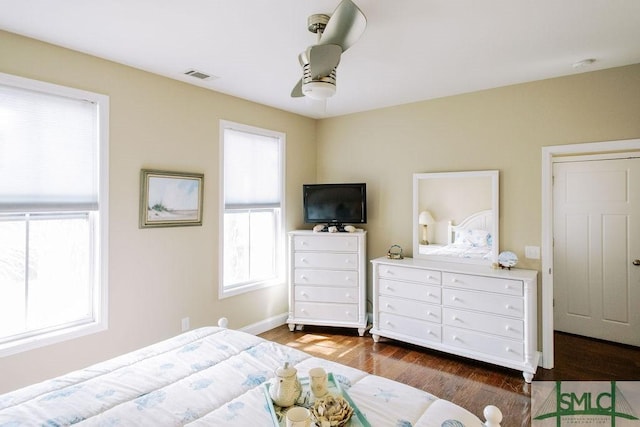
<point x="332" y="411"/>
<point x="334" y="408"/>
<point x="286" y="388"/>
<point x="298" y="416"/>
<point x="213" y="377"/>
<point x="507" y="259"/>
<point x="425" y="219"/>
<point x="463" y="309"/>
<point x="318" y="382"/>
<point x="468" y="199"/>
<point x="169" y="199"/>
<point x="395" y="252"/>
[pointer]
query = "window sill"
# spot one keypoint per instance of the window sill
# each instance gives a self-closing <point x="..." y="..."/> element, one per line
<point x="53" y="337"/>
<point x="249" y="287"/>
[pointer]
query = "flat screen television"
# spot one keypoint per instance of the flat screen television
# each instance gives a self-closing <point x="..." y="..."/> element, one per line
<point x="335" y="204"/>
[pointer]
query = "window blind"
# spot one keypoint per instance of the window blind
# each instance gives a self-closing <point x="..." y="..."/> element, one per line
<point x="251" y="170"/>
<point x="48" y="152"/>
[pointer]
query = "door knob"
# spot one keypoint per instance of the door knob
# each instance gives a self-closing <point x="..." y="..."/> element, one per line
<point x="636" y="262"/>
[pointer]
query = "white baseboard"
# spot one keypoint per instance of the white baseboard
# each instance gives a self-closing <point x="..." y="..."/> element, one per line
<point x="267" y="324"/>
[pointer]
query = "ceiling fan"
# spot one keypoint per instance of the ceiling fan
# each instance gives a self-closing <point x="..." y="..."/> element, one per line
<point x="319" y="62"/>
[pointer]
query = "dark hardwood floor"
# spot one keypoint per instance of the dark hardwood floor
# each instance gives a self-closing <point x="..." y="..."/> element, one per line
<point x="470" y="384"/>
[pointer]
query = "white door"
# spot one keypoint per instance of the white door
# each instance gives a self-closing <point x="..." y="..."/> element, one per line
<point x="596" y="260"/>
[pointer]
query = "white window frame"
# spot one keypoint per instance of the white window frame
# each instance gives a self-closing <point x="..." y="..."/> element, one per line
<point x="100" y="229"/>
<point x="224" y="292"/>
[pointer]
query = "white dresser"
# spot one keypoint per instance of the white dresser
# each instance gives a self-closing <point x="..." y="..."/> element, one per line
<point x="463" y="309"/>
<point x="327" y="279"/>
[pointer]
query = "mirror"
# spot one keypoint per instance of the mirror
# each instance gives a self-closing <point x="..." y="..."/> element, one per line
<point x="455" y="216"/>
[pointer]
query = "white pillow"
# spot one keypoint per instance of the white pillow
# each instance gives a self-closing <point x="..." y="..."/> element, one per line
<point x="473" y="237"/>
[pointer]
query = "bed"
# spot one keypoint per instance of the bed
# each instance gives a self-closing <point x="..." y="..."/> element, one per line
<point x="471" y="239"/>
<point x="213" y="376"/>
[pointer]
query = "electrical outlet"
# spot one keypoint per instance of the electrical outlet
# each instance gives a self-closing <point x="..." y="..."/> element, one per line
<point x="532" y="252"/>
<point x="185" y="324"/>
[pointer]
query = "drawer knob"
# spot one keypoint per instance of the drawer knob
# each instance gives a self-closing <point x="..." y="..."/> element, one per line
<point x="509" y="307"/>
<point x="454" y="280"/>
<point x="303" y="260"/>
<point x="388" y="305"/>
<point x="347" y="295"/>
<point x="388" y="323"/>
<point x="429" y="294"/>
<point x="456" y="338"/>
<point x="303" y="310"/>
<point x="509" y="350"/>
<point x="455" y="298"/>
<point x="303" y="277"/>
<point x="388" y="288"/>
<point x="455" y="318"/>
<point x="304" y="294"/>
<point x="347" y="278"/>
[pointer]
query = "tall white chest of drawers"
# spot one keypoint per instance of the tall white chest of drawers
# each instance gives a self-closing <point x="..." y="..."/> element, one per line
<point x="468" y="310"/>
<point x="327" y="279"/>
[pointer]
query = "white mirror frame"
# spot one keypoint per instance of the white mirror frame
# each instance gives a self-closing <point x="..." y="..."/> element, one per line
<point x="493" y="175"/>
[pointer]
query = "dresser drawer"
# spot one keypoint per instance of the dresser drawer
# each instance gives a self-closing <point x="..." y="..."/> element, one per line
<point x="498" y="325"/>
<point x="411" y="274"/>
<point x="342" y="243"/>
<point x="343" y="261"/>
<point x="412" y="327"/>
<point x="325" y="294"/>
<point x="487" y="344"/>
<point x="346" y="278"/>
<point x="414" y="291"/>
<point x="488" y="303"/>
<point x="324" y="311"/>
<point x="403" y="307"/>
<point x="481" y="283"/>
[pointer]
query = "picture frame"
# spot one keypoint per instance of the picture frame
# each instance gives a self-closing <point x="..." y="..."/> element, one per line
<point x="170" y="199"/>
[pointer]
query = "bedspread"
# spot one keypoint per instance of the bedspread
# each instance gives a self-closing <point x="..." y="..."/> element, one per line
<point x="209" y="377"/>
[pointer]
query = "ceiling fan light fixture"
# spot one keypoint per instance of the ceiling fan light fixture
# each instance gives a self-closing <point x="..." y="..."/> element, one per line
<point x="319" y="90"/>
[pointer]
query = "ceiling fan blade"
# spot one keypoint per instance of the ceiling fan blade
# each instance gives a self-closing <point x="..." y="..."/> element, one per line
<point x="297" y="90"/>
<point x="323" y="59"/>
<point x="345" y="26"/>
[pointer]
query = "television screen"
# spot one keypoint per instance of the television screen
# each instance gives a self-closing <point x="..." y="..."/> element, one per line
<point x="335" y="203"/>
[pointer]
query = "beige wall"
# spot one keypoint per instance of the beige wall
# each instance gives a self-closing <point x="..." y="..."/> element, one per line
<point x="501" y="129"/>
<point x="157" y="276"/>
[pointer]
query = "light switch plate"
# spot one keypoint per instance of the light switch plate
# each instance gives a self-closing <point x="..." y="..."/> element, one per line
<point x="532" y="252"/>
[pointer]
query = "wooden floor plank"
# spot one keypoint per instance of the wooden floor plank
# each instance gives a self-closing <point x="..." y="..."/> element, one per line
<point x="468" y="383"/>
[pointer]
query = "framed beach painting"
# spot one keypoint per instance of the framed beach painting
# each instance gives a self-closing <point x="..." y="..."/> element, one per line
<point x="170" y="199"/>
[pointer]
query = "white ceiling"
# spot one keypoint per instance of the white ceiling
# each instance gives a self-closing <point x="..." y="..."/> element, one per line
<point x="412" y="50"/>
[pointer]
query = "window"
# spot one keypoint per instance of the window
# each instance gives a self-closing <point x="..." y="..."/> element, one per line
<point x="252" y="202"/>
<point x="53" y="206"/>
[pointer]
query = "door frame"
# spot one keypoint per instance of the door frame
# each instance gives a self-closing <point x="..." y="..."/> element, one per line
<point x="548" y="155"/>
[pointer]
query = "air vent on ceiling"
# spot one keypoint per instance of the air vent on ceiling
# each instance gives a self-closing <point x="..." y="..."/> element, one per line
<point x="200" y="75"/>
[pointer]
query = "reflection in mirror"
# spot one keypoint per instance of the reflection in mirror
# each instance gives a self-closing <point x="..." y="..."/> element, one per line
<point x="455" y="216"/>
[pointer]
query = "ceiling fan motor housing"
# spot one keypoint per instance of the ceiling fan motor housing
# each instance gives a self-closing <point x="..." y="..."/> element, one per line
<point x="320" y="87"/>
